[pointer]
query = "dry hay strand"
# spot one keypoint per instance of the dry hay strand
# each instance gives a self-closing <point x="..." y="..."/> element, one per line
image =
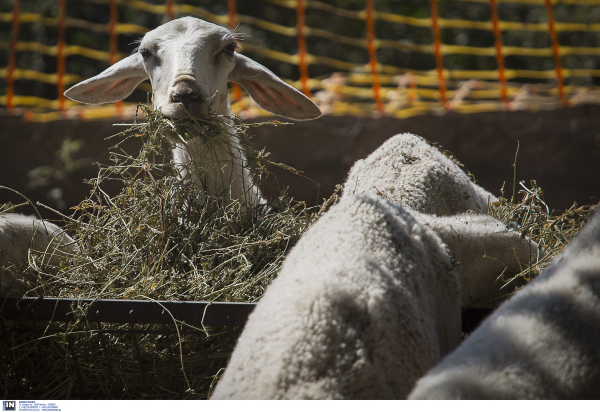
<point x="528" y="213"/>
<point x="160" y="238"/>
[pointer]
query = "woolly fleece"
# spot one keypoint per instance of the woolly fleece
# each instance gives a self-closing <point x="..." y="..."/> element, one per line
<point x="19" y="234"/>
<point x="541" y="344"/>
<point x="487" y="253"/>
<point x="406" y="170"/>
<point x="364" y="305"/>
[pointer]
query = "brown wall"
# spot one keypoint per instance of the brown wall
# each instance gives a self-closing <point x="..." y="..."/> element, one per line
<point x="559" y="149"/>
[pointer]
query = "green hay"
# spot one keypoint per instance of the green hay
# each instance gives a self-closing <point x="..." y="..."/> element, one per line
<point x="158" y="239"/>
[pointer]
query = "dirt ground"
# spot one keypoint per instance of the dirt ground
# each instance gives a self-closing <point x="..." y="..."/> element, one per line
<point x="559" y="149"/>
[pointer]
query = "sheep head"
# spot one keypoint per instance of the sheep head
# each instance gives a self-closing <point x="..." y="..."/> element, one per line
<point x="189" y="62"/>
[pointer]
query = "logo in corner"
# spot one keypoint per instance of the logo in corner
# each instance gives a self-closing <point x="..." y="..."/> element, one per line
<point x="9" y="405"/>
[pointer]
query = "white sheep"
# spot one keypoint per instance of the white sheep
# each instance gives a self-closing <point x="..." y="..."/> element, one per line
<point x="189" y="62"/>
<point x="409" y="171"/>
<point x="365" y="303"/>
<point x="20" y="235"/>
<point x="544" y="343"/>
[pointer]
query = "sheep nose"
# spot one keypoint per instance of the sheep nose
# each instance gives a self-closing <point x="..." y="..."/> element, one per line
<point x="185" y="98"/>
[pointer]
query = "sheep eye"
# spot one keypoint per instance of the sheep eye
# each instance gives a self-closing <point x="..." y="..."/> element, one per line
<point x="230" y="49"/>
<point x="145" y="54"/>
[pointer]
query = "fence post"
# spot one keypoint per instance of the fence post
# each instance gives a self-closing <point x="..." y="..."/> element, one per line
<point x="170" y="9"/>
<point x="437" y="48"/>
<point x="60" y="56"/>
<point x="499" y="55"/>
<point x="114" y="44"/>
<point x="556" y="52"/>
<point x="232" y="11"/>
<point x="302" y="64"/>
<point x="12" y="59"/>
<point x="371" y="46"/>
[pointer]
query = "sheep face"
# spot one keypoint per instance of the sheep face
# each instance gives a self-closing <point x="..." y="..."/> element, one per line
<point x="189" y="62"/>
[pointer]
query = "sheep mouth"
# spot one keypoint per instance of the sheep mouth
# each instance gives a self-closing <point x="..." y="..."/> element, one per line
<point x="178" y="110"/>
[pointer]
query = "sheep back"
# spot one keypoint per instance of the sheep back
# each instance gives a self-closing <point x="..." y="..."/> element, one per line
<point x="409" y="171"/>
<point x="364" y="305"/>
<point x="19" y="234"/>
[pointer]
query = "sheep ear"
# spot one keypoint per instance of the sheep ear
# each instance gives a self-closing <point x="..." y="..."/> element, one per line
<point x="113" y="84"/>
<point x="270" y="92"/>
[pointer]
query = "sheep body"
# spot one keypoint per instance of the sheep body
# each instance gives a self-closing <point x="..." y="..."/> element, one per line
<point x="364" y="304"/>
<point x="409" y="171"/>
<point x="541" y="344"/>
<point x="19" y="234"/>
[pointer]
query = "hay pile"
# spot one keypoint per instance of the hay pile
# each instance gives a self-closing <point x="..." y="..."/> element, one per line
<point x="550" y="229"/>
<point x="163" y="239"/>
<point x="158" y="239"/>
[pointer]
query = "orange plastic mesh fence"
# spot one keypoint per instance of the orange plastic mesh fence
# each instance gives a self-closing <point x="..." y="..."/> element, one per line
<point x="371" y="88"/>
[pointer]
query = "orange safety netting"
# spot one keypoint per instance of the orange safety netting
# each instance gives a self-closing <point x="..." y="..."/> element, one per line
<point x="350" y="88"/>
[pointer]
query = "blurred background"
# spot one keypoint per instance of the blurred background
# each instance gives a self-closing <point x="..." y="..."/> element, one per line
<point x="481" y="77"/>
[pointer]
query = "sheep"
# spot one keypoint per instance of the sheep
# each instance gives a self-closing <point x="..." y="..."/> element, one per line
<point x="541" y="344"/>
<point x="19" y="234"/>
<point x="365" y="303"/>
<point x="189" y="62"/>
<point x="408" y="170"/>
